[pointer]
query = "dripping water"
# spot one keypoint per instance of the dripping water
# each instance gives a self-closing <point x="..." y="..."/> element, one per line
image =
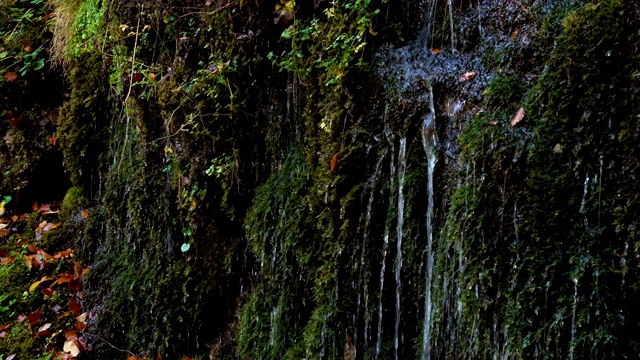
<point x="402" y="165"/>
<point x="385" y="244"/>
<point x="429" y="141"/>
<point x="364" y="273"/>
<point x="573" y="317"/>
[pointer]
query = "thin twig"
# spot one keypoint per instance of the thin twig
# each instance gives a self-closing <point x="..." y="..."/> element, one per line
<point x="108" y="343"/>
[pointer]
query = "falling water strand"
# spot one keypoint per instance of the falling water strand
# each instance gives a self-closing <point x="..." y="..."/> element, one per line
<point x="429" y="141"/>
<point x="402" y="165"/>
<point x="364" y="273"/>
<point x="385" y="243"/>
<point x="427" y="32"/>
<point x="453" y="34"/>
<point x="573" y="317"/>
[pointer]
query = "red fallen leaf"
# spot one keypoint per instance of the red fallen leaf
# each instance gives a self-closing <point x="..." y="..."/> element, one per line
<point x="74" y="285"/>
<point x="15" y="121"/>
<point x="137" y="77"/>
<point x="158" y="357"/>
<point x="34" y="317"/>
<point x="3" y="253"/>
<point x="436" y="51"/>
<point x="48" y="292"/>
<point x="334" y="162"/>
<point x="53" y="140"/>
<point x="468" y="76"/>
<point x="44" y="330"/>
<point x="75" y="307"/>
<point x="5" y="327"/>
<point x="517" y="117"/>
<point x="8" y="114"/>
<point x="10" y="76"/>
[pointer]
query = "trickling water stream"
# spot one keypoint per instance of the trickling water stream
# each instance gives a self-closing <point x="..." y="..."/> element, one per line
<point x="402" y="167"/>
<point x="429" y="141"/>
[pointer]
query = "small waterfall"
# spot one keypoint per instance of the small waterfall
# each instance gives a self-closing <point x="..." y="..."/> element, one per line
<point x="385" y="244"/>
<point x="402" y="166"/>
<point x="429" y="141"/>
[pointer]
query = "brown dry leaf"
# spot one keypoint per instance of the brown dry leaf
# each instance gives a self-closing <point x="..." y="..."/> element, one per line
<point x="71" y="348"/>
<point x="10" y="76"/>
<point x="468" y="76"/>
<point x="436" y="51"/>
<point x="334" y="162"/>
<point x="53" y="140"/>
<point x="85" y="214"/>
<point x="517" y="117"/>
<point x="152" y="76"/>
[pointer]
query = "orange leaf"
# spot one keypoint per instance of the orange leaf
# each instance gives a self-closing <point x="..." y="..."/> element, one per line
<point x="436" y="51"/>
<point x="517" y="117"/>
<point x="8" y="260"/>
<point x="334" y="162"/>
<point x="63" y="254"/>
<point x="468" y="76"/>
<point x="152" y="76"/>
<point x="53" y="140"/>
<point x="133" y="357"/>
<point x="85" y="214"/>
<point x="10" y="76"/>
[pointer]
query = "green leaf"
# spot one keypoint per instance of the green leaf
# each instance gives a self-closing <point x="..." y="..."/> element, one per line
<point x="6" y="199"/>
<point x="185" y="247"/>
<point x="38" y="64"/>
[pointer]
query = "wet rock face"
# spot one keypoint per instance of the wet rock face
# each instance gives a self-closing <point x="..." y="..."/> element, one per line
<point x="359" y="179"/>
